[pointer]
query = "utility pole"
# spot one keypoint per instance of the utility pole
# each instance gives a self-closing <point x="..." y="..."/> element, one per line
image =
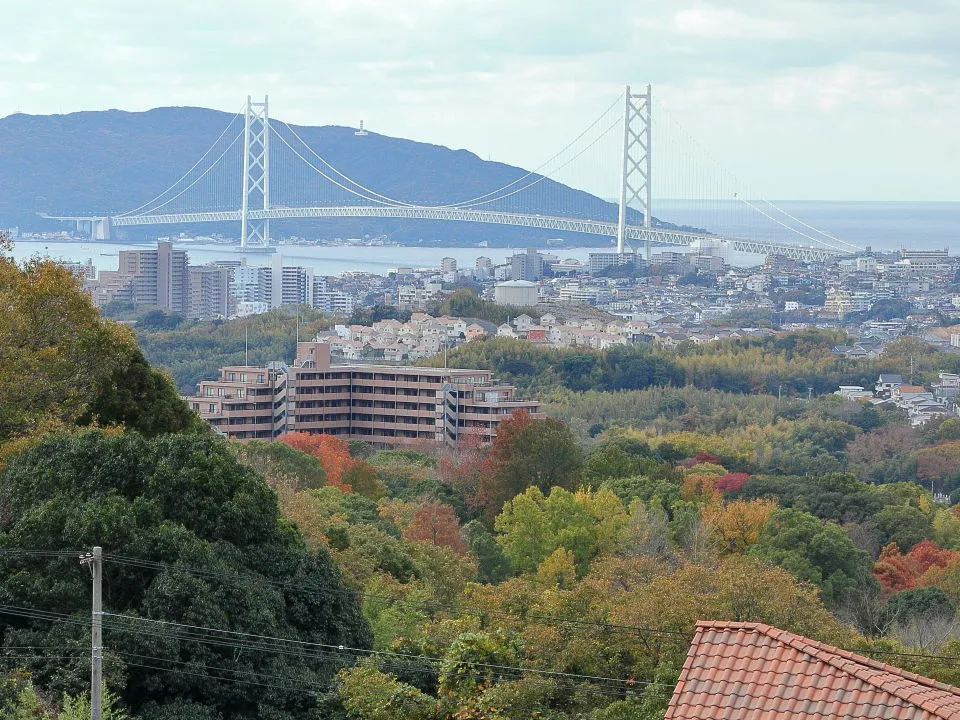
<point x="95" y="561"/>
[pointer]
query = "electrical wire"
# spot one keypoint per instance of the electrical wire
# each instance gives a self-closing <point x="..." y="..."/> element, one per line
<point x="264" y="643"/>
<point x="362" y="651"/>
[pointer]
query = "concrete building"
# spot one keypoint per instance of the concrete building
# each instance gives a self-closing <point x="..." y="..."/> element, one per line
<point x="210" y="292"/>
<point x="448" y="265"/>
<point x="515" y="292"/>
<point x="383" y="404"/>
<point x="600" y="261"/>
<point x="156" y="277"/>
<point x="289" y="285"/>
<point x="530" y="265"/>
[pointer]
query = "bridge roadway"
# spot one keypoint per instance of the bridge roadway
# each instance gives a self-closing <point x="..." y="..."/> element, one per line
<point x="661" y="236"/>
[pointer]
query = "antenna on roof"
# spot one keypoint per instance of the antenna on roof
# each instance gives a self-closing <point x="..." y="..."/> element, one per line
<point x="361" y="131"/>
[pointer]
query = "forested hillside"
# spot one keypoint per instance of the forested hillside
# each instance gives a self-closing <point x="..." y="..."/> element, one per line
<point x="558" y="573"/>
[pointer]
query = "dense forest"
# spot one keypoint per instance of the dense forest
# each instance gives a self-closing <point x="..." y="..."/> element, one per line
<point x="557" y="573"/>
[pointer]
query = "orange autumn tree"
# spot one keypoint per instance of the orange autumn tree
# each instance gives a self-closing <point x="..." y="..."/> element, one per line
<point x="332" y="452"/>
<point x="739" y="524"/>
<point x="437" y="523"/>
<point x="897" y="571"/>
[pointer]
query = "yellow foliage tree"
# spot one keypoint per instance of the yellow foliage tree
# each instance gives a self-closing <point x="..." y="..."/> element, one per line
<point x="737" y="525"/>
<point x="559" y="570"/>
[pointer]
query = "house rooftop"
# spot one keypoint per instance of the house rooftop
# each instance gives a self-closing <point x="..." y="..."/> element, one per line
<point x="743" y="671"/>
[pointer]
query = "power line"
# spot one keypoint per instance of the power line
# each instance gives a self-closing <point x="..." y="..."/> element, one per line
<point x="265" y="643"/>
<point x="343" y="648"/>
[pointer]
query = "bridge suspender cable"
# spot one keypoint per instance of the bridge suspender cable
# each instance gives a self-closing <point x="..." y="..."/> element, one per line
<point x="335" y="182"/>
<point x="194" y="167"/>
<point x="198" y="178"/>
<point x="319" y="157"/>
<point x="791" y="229"/>
<point x="472" y="201"/>
<point x="811" y="227"/>
<point x="538" y="170"/>
<point x="541" y="178"/>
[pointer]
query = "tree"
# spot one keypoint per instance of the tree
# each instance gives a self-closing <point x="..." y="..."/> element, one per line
<point x="533" y="525"/>
<point x="738" y="525"/>
<point x="332" y="452"/>
<point x="437" y="523"/>
<point x="175" y="503"/>
<point x="362" y="477"/>
<point x="529" y="453"/>
<point x="901" y="524"/>
<point x="815" y="552"/>
<point x="897" y="571"/>
<point x="369" y="694"/>
<point x="493" y="565"/>
<point x="279" y="462"/>
<point x="61" y="363"/>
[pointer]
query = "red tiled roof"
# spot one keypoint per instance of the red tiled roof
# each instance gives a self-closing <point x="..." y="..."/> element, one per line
<point x="752" y="671"/>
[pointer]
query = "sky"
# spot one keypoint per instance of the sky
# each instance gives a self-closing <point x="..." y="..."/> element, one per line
<point x="799" y="99"/>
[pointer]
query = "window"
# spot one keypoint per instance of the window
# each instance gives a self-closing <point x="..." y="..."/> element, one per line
<point x="240" y="392"/>
<point x="231" y="376"/>
<point x="261" y="379"/>
<point x="209" y="392"/>
<point x="243" y="377"/>
<point x="212" y="407"/>
<point x="219" y="392"/>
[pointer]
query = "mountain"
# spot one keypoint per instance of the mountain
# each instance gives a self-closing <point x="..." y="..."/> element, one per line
<point x="95" y="163"/>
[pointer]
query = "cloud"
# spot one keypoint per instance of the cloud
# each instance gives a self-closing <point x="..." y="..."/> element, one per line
<point x="710" y="22"/>
<point x="516" y="80"/>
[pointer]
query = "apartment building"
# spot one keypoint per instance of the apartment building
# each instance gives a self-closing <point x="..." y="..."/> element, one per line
<point x="382" y="404"/>
<point x="210" y="294"/>
<point x="156" y="277"/>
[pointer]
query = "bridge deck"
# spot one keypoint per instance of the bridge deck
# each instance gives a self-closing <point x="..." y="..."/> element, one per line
<point x="660" y="236"/>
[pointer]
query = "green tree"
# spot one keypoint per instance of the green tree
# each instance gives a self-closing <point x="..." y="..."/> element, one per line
<point x="532" y="526"/>
<point x="529" y="453"/>
<point x="815" y="552"/>
<point x="901" y="524"/>
<point x="916" y="604"/>
<point x="492" y="562"/>
<point x="18" y="698"/>
<point x="174" y="503"/>
<point x="369" y="694"/>
<point x="279" y="462"/>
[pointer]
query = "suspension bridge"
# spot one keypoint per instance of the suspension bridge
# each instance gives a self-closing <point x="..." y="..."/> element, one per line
<point x="262" y="170"/>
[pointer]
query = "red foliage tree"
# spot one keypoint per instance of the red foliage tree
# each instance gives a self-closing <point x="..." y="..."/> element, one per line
<point x="528" y="452"/>
<point x="704" y="457"/>
<point x="437" y="523"/>
<point x="332" y="452"/>
<point x="897" y="571"/>
<point x="731" y="482"/>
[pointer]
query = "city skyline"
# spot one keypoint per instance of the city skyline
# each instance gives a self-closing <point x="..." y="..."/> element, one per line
<point x="859" y="100"/>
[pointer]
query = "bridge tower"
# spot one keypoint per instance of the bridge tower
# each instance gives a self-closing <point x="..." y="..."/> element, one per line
<point x="636" y="168"/>
<point x="255" y="183"/>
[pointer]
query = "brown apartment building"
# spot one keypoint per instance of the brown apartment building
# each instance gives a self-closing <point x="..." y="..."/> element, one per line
<point x="384" y="404"/>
